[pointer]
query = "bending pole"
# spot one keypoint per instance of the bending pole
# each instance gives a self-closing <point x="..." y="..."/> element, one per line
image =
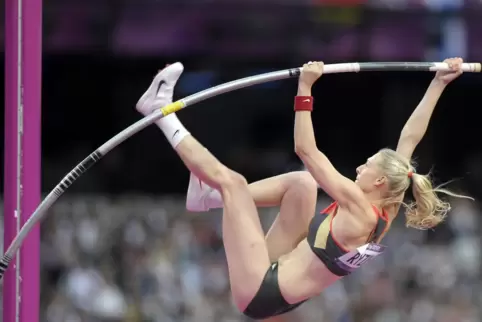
<point x="23" y="52"/>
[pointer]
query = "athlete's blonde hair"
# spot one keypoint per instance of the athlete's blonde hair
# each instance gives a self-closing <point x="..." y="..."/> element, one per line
<point x="428" y="210"/>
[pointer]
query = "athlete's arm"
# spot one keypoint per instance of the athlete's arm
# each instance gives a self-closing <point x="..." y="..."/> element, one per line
<point x="340" y="188"/>
<point x="416" y="126"/>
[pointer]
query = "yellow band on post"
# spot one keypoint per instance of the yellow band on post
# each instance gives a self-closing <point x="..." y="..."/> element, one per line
<point x="172" y="108"/>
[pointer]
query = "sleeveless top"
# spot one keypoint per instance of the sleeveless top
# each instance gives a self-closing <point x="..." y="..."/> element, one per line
<point x="339" y="260"/>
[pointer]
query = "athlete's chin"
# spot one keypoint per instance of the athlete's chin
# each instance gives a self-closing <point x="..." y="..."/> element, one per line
<point x="359" y="184"/>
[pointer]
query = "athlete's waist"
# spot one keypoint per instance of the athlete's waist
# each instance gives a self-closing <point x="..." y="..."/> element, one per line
<point x="303" y="275"/>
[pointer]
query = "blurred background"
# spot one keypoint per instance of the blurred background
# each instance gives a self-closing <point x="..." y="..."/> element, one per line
<point x="120" y="246"/>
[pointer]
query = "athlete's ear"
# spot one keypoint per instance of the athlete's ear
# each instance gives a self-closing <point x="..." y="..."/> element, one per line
<point x="380" y="181"/>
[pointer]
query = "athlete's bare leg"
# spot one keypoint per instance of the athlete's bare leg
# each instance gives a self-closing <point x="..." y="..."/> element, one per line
<point x="243" y="238"/>
<point x="294" y="192"/>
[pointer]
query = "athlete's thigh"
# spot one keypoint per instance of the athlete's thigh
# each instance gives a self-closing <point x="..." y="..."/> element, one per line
<point x="291" y="225"/>
<point x="244" y="244"/>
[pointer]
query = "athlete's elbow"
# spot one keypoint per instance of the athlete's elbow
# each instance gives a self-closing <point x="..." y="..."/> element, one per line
<point x="407" y="144"/>
<point x="410" y="135"/>
<point x="304" y="150"/>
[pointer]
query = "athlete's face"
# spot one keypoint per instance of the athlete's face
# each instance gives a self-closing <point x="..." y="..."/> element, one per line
<point x="369" y="176"/>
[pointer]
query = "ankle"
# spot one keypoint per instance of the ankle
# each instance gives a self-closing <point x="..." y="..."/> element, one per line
<point x="173" y="129"/>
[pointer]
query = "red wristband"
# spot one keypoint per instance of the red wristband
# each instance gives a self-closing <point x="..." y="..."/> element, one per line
<point x="303" y="103"/>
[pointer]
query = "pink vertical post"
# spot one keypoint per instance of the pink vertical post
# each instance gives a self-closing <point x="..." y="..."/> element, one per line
<point x="23" y="61"/>
<point x="10" y="157"/>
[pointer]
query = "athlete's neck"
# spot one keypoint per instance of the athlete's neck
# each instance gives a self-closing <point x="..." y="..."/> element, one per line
<point x="375" y="197"/>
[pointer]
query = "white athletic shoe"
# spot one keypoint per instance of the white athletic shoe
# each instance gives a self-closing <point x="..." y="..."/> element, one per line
<point x="197" y="193"/>
<point x="160" y="92"/>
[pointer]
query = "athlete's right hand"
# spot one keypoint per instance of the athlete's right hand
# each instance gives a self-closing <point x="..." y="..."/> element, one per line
<point x="310" y="73"/>
<point x="455" y="71"/>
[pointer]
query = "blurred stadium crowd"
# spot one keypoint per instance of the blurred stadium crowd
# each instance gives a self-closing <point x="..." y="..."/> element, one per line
<point x="145" y="259"/>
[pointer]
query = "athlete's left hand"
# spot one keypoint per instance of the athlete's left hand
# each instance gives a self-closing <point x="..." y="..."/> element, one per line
<point x="455" y="70"/>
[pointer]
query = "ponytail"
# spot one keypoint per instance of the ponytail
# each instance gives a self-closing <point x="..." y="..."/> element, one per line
<point x="428" y="210"/>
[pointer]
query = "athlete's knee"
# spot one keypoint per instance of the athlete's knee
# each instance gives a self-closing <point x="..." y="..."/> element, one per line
<point x="230" y="179"/>
<point x="303" y="182"/>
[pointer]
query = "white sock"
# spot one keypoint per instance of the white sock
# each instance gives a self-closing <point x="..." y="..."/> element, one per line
<point x="173" y="129"/>
<point x="214" y="200"/>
